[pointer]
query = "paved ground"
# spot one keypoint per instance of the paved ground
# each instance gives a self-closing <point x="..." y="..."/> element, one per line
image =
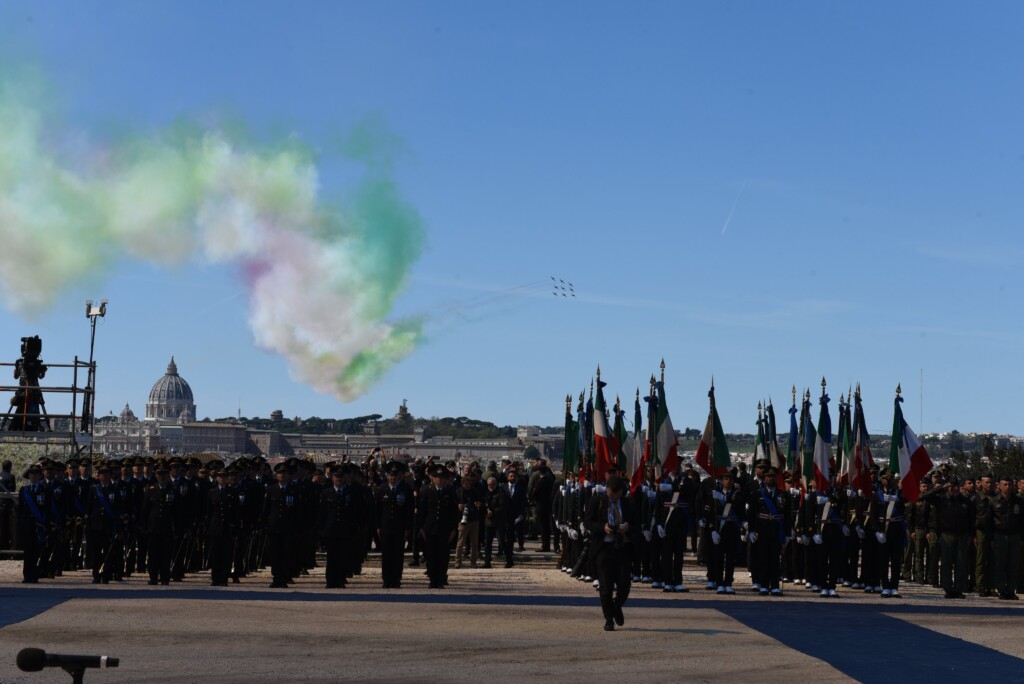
<point x="499" y="625"/>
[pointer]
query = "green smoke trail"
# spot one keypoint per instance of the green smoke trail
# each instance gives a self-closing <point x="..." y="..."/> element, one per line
<point x="322" y="279"/>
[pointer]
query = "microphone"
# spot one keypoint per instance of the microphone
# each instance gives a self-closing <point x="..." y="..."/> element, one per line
<point x="35" y="659"/>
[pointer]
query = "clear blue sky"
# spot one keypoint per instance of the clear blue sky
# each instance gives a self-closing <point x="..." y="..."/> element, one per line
<point x="763" y="192"/>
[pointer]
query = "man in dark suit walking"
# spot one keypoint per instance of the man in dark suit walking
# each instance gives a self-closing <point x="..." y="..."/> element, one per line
<point x="609" y="520"/>
<point x="516" y="517"/>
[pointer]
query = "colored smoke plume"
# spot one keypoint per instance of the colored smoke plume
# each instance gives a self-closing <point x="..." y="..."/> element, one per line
<point x="321" y="278"/>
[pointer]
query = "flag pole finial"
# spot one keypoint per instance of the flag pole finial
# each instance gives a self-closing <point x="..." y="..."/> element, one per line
<point x="568" y="402"/>
<point x="794" y="395"/>
<point x="617" y="404"/>
<point x="759" y="410"/>
<point x="653" y="383"/>
<point x="591" y="388"/>
<point x="822" y="385"/>
<point x="663" y="370"/>
<point x="598" y="372"/>
<point x="899" y="389"/>
<point x="638" y="394"/>
<point x="712" y="383"/>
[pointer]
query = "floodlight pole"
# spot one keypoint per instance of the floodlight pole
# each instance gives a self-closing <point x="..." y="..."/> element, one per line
<point x="92" y="313"/>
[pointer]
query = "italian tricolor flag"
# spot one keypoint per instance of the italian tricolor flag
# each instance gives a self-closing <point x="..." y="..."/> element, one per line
<point x="667" y="452"/>
<point x="713" y="452"/>
<point x="602" y="437"/>
<point x="907" y="456"/>
<point x="823" y="447"/>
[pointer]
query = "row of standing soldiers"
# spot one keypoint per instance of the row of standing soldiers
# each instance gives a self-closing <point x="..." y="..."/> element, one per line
<point x="823" y="539"/>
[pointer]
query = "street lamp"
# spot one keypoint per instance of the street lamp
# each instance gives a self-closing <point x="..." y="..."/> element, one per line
<point x="92" y="313"/>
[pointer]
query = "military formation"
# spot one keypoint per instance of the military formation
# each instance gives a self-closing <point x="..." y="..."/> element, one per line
<point x="962" y="536"/>
<point x="169" y="518"/>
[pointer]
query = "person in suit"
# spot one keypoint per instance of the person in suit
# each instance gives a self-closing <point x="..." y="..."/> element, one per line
<point x="610" y="522"/>
<point x="516" y="518"/>
<point x="496" y="505"/>
<point x="281" y="516"/>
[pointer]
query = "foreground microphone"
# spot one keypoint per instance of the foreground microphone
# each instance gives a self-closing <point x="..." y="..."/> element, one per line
<point x="35" y="659"/>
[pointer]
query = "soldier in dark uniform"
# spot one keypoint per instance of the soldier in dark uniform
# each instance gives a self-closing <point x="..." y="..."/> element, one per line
<point x="769" y="516"/>
<point x="336" y="525"/>
<point x="393" y="515"/>
<point x="828" y="533"/>
<point x="753" y="554"/>
<point x="223" y="520"/>
<point x="77" y="494"/>
<point x="889" y="530"/>
<point x="724" y="518"/>
<point x="441" y="515"/>
<point x="983" y="535"/>
<point x="250" y="503"/>
<point x="917" y="520"/>
<point x="1007" y="524"/>
<point x="103" y="525"/>
<point x="184" y="519"/>
<point x="33" y="523"/>
<point x="673" y="511"/>
<point x="281" y="516"/>
<point x="870" y="548"/>
<point x="955" y="517"/>
<point x="55" y="551"/>
<point x="159" y="521"/>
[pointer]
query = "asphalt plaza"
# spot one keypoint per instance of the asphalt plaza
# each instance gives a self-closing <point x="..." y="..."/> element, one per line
<point x="499" y="625"/>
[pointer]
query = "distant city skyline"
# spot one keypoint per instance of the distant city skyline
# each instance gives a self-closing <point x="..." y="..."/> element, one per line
<point x="758" y="193"/>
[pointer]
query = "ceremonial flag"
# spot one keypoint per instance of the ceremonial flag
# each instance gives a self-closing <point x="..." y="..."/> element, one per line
<point x="823" y="444"/>
<point x="759" y="447"/>
<point x="844" y="450"/>
<point x="589" y="414"/>
<point x="619" y="439"/>
<point x="570" y="454"/>
<point x="907" y="456"/>
<point x="602" y="435"/>
<point x="668" y="444"/>
<point x="808" y="439"/>
<point x="581" y="446"/>
<point x="651" y="442"/>
<point x="636" y="454"/>
<point x="713" y="451"/>
<point x="775" y="451"/>
<point x="862" y="459"/>
<point x="793" y="450"/>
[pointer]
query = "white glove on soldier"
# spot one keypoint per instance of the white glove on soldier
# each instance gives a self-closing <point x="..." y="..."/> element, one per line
<point x="846" y="530"/>
<point x="661" y="531"/>
<point x="880" y="536"/>
<point x="647" y="535"/>
<point x="817" y="539"/>
<point x="574" y="535"/>
<point x="753" y="537"/>
<point x="860" y="531"/>
<point x="715" y="537"/>
<point x="701" y="523"/>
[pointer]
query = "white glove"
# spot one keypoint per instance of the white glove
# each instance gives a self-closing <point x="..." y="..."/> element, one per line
<point x="817" y="539"/>
<point x="793" y="491"/>
<point x="804" y="540"/>
<point x="746" y="525"/>
<point x="822" y="500"/>
<point x="661" y="531"/>
<point x="718" y="496"/>
<point x="743" y="537"/>
<point x="860" y="531"/>
<point x="715" y="537"/>
<point x="599" y="489"/>
<point x="808" y="496"/>
<point x="518" y="520"/>
<point x="574" y="535"/>
<point x="665" y="487"/>
<point x="701" y="523"/>
<point x="644" y="488"/>
<point x="880" y="536"/>
<point x="753" y="537"/>
<point x="851" y="491"/>
<point x="889" y="498"/>
<point x="846" y="530"/>
<point x="647" y="535"/>
<point x="583" y="528"/>
<point x="562" y="489"/>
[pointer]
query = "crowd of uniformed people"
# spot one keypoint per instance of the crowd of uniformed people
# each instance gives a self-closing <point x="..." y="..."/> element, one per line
<point x="167" y="518"/>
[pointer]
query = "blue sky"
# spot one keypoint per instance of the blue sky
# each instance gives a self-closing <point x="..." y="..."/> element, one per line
<point x="763" y="192"/>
